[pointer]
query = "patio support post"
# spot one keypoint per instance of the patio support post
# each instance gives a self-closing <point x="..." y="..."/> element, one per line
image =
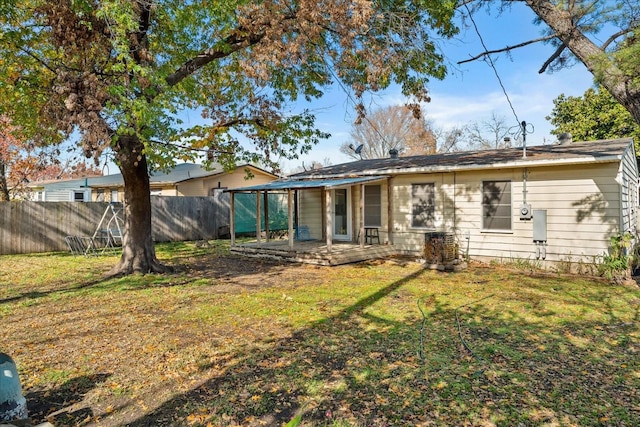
<point x="266" y="215"/>
<point x="290" y="215"/>
<point x="232" y="218"/>
<point x="258" y="228"/>
<point x="327" y="215"/>
<point x="361" y="232"/>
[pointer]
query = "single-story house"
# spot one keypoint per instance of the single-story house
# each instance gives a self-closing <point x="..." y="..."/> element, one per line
<point x="185" y="179"/>
<point x="551" y="203"/>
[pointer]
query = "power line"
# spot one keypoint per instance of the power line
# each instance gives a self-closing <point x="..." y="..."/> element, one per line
<point x="491" y="63"/>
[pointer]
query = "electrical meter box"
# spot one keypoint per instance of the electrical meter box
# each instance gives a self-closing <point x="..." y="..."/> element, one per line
<point x="525" y="212"/>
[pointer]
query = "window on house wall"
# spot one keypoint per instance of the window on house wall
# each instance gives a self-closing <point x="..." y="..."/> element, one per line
<point x="100" y="196"/>
<point x="79" y="196"/>
<point x="496" y="205"/>
<point x="373" y="205"/>
<point x="423" y="210"/>
<point x="114" y="195"/>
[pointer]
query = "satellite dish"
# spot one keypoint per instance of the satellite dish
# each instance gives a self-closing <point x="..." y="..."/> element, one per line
<point x="359" y="148"/>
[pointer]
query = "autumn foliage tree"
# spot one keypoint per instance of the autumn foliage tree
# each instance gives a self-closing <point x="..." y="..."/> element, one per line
<point x="119" y="72"/>
<point x="392" y="127"/>
<point x="23" y="162"/>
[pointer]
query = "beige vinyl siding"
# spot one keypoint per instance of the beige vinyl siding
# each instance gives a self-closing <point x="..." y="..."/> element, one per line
<point x="582" y="204"/>
<point x="235" y="179"/>
<point x="407" y="238"/>
<point x="311" y="209"/>
<point x="582" y="207"/>
<point x="628" y="177"/>
<point x="164" y="191"/>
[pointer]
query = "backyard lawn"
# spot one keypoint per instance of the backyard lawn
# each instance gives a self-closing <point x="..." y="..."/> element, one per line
<point x="228" y="341"/>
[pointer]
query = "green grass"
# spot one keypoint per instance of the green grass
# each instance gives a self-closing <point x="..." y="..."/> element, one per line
<point x="228" y="341"/>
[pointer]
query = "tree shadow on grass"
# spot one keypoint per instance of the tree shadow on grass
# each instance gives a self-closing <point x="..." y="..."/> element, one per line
<point x="41" y="294"/>
<point x="263" y="387"/>
<point x="60" y="405"/>
<point x="360" y="368"/>
<point x="206" y="266"/>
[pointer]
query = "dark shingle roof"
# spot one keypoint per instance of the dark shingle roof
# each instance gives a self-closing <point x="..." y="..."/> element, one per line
<point x="578" y="152"/>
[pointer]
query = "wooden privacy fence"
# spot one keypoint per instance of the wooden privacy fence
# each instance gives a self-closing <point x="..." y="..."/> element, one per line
<point x="28" y="227"/>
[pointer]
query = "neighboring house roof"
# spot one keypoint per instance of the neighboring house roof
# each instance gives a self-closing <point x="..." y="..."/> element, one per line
<point x="180" y="173"/>
<point x="542" y="155"/>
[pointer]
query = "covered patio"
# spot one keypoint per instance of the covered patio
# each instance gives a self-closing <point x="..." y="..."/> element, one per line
<point x="296" y="246"/>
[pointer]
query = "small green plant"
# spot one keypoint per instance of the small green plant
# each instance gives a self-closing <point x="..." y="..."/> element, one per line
<point x="615" y="265"/>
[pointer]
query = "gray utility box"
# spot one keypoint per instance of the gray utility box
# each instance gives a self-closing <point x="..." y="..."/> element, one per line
<point x="540" y="225"/>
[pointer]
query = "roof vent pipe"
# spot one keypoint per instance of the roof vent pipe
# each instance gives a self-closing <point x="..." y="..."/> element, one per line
<point x="565" y="138"/>
<point x="393" y="153"/>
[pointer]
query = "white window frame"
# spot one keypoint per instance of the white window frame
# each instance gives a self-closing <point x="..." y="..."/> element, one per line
<point x="86" y="195"/>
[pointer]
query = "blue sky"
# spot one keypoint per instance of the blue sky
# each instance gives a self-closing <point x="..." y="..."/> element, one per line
<point x="471" y="92"/>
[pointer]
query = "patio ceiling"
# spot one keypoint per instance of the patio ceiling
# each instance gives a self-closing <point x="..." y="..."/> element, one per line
<point x="290" y="184"/>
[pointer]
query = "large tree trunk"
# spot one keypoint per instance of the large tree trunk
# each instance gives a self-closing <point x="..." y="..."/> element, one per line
<point x="138" y="252"/>
<point x="619" y="85"/>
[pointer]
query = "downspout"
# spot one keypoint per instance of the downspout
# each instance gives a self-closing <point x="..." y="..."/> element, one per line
<point x="524" y="185"/>
<point x="390" y="232"/>
<point x="455" y="218"/>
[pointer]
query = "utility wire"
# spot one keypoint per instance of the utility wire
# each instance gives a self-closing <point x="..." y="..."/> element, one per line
<point x="323" y="51"/>
<point x="349" y="95"/>
<point x="491" y="63"/>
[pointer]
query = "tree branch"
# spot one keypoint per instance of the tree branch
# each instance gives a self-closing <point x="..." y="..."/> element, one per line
<point x="614" y="36"/>
<point x="257" y="121"/>
<point x="36" y="58"/>
<point x="552" y="58"/>
<point x="240" y="39"/>
<point x="508" y="48"/>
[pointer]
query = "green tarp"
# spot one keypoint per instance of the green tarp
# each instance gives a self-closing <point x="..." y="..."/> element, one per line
<point x="245" y="212"/>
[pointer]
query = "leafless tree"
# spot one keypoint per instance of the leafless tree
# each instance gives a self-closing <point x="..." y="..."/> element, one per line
<point x="392" y="127"/>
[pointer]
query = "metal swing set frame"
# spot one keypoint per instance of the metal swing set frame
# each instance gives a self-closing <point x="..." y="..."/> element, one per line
<point x="106" y="237"/>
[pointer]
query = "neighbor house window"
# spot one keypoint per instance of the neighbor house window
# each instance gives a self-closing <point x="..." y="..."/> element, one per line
<point x="373" y="205"/>
<point x="496" y="205"/>
<point x="114" y="195"/>
<point x="80" y="196"/>
<point x="423" y="205"/>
